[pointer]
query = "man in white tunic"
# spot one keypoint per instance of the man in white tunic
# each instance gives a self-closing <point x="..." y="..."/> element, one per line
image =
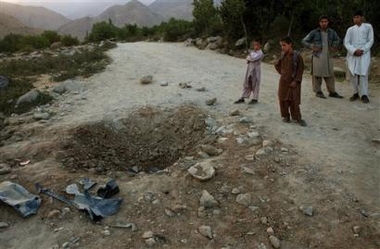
<point x="358" y="42"/>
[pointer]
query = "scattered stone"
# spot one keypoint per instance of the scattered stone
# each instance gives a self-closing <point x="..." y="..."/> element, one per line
<point x="307" y="210"/>
<point x="284" y="150"/>
<point x="277" y="159"/>
<point x="179" y="208"/>
<point x="357" y="229"/>
<point x="3" y="225"/>
<point x="364" y="213"/>
<point x="244" y="199"/>
<point x="146" y="79"/>
<point x="249" y="157"/>
<point x="147" y="235"/>
<point x="150" y="242"/>
<point x="264" y="220"/>
<point x="5" y="169"/>
<point x="28" y="97"/>
<point x="207" y="200"/>
<point x="201" y="89"/>
<point x="235" y="191"/>
<point x="262" y="246"/>
<point x="270" y="231"/>
<point x="267" y="143"/>
<point x="12" y="177"/>
<point x="128" y="225"/>
<point x="68" y="86"/>
<point x="210" y="101"/>
<point x="41" y="116"/>
<point x="235" y="112"/>
<point x="203" y="155"/>
<point x="253" y="134"/>
<point x="169" y="212"/>
<point x="376" y="140"/>
<point x="184" y="85"/>
<point x="211" y="150"/>
<point x="106" y="232"/>
<point x="54" y="214"/>
<point x="206" y="231"/>
<point x="66" y="245"/>
<point x="247" y="170"/>
<point x="274" y="241"/>
<point x="245" y="120"/>
<point x="260" y="152"/>
<point x="164" y="83"/>
<point x="202" y="171"/>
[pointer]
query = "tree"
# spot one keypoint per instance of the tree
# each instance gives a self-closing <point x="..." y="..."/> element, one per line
<point x="205" y="16"/>
<point x="231" y="12"/>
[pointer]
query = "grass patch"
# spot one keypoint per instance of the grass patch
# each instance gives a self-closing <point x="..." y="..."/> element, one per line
<point x="22" y="72"/>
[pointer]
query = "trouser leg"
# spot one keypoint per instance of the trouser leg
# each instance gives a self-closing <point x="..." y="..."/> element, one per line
<point x="354" y="83"/>
<point x="247" y="89"/>
<point x="330" y="84"/>
<point x="284" y="108"/>
<point x="317" y="81"/>
<point x="295" y="111"/>
<point x="363" y="85"/>
<point x="255" y="90"/>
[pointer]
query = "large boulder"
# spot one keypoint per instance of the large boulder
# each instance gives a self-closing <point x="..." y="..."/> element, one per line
<point x="29" y="97"/>
<point x="68" y="86"/>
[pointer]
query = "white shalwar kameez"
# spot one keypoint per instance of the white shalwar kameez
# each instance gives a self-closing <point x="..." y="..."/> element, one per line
<point x="359" y="37"/>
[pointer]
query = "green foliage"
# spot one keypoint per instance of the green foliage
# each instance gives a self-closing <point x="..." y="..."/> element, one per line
<point x="231" y="12"/>
<point x="9" y="96"/>
<point x="103" y="31"/>
<point x="68" y="40"/>
<point x="206" y="17"/>
<point x="51" y="36"/>
<point x="174" y="29"/>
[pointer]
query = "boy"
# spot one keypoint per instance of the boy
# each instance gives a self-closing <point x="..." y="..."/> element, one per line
<point x="290" y="67"/>
<point x="253" y="74"/>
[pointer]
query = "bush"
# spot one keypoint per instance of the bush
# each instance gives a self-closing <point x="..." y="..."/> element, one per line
<point x="68" y="40"/>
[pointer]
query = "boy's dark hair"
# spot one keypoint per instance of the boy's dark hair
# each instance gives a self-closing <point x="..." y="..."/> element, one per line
<point x="287" y="39"/>
<point x="324" y="17"/>
<point x="358" y="13"/>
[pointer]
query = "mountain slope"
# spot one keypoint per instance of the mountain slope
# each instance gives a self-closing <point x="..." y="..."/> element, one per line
<point x="35" y="17"/>
<point x="10" y="24"/>
<point x="134" y="12"/>
<point x="77" y="28"/>
<point x="179" y="9"/>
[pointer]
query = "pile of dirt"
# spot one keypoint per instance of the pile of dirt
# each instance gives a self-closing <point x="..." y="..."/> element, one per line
<point x="148" y="140"/>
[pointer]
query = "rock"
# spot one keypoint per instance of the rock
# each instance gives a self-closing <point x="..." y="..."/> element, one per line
<point x="54" y="214"/>
<point x="210" y="150"/>
<point x="28" y="97"/>
<point x="5" y="169"/>
<point x="284" y="150"/>
<point x="253" y="134"/>
<point x="235" y="112"/>
<point x="66" y="245"/>
<point x="270" y="231"/>
<point x="202" y="171"/>
<point x="184" y="85"/>
<point x="203" y="155"/>
<point x="206" y="231"/>
<point x="150" y="242"/>
<point x="190" y="42"/>
<point x="169" y="212"/>
<point x="147" y="235"/>
<point x="241" y="42"/>
<point x="247" y="170"/>
<point x="146" y="79"/>
<point x="207" y="200"/>
<point x="41" y="116"/>
<point x="376" y="140"/>
<point x="56" y="45"/>
<point x="264" y="220"/>
<point x="210" y="101"/>
<point x="68" y="86"/>
<point x="307" y="210"/>
<point x="267" y="143"/>
<point x="261" y="246"/>
<point x="357" y="229"/>
<point x="164" y="83"/>
<point x="245" y="120"/>
<point x="201" y="89"/>
<point x="4" y="82"/>
<point x="106" y="232"/>
<point x="274" y="241"/>
<point x="244" y="199"/>
<point x="260" y="152"/>
<point x="3" y="225"/>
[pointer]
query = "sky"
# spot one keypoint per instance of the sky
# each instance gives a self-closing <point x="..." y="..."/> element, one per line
<point x="74" y="9"/>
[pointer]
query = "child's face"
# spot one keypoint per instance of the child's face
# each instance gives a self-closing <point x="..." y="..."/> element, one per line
<point x="285" y="47"/>
<point x="256" y="45"/>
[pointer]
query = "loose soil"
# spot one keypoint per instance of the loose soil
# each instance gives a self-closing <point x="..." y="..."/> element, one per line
<point x="147" y="136"/>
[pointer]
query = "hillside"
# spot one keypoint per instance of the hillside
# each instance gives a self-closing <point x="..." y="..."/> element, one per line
<point x="77" y="28"/>
<point x="10" y="24"/>
<point x="179" y="9"/>
<point x="134" y="12"/>
<point x="35" y="17"/>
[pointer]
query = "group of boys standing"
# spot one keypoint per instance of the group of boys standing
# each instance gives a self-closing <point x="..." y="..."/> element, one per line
<point x="323" y="41"/>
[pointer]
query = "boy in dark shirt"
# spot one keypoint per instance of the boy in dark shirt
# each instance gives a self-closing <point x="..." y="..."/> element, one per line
<point x="290" y="67"/>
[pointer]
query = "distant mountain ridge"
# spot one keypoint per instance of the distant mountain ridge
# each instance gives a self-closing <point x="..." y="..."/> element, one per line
<point x="10" y="24"/>
<point x="33" y="16"/>
<point x="178" y="9"/>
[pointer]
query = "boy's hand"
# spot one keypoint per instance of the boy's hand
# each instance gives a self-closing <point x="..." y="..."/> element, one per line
<point x="293" y="84"/>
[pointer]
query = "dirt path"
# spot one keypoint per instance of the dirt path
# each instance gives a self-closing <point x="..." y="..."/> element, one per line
<point x="338" y="139"/>
<point x="334" y="164"/>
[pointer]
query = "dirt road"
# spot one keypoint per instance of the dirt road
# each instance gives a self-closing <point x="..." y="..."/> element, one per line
<point x="337" y="155"/>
